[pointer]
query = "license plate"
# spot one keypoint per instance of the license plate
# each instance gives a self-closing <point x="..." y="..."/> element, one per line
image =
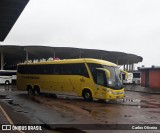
<point x="117" y="96"/>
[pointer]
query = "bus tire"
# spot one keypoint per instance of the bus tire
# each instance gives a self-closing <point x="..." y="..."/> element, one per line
<point x="7" y="82"/>
<point x="36" y="91"/>
<point x="29" y="90"/>
<point x="87" y="95"/>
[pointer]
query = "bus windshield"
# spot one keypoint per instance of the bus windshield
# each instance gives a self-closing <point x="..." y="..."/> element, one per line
<point x="115" y="81"/>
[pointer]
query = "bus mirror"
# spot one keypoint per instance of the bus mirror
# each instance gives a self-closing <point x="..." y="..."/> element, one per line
<point x="126" y="73"/>
<point x="106" y="71"/>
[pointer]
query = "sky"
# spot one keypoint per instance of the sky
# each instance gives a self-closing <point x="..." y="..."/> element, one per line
<point x="130" y="26"/>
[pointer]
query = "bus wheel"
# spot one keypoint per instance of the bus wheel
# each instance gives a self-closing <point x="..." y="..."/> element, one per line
<point x="37" y="91"/>
<point x="87" y="95"/>
<point x="30" y="91"/>
<point x="7" y="82"/>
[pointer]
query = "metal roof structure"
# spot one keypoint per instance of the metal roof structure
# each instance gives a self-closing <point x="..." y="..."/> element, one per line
<point x="10" y="10"/>
<point x="15" y="54"/>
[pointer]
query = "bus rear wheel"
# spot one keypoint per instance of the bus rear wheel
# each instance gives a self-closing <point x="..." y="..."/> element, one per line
<point x="29" y="90"/>
<point x="87" y="95"/>
<point x="37" y="91"/>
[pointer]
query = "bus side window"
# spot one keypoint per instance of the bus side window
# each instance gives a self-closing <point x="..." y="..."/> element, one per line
<point x="82" y="70"/>
<point x="57" y="69"/>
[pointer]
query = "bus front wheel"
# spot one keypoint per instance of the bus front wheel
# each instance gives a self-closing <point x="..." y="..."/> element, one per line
<point x="87" y="95"/>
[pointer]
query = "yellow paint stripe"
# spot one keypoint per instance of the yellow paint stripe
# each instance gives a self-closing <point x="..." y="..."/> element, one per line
<point x="7" y="117"/>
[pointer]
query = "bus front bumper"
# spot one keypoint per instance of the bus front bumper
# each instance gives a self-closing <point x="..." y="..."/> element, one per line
<point x="115" y="94"/>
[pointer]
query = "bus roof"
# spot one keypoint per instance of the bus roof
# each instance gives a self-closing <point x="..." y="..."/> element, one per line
<point x="80" y="60"/>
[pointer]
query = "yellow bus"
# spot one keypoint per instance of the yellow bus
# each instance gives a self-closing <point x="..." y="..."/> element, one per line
<point x="85" y="77"/>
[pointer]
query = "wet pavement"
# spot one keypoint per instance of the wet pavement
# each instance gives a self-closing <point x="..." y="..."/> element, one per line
<point x="136" y="108"/>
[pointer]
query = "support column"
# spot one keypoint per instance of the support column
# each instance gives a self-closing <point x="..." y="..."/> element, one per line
<point x="2" y="60"/>
<point x="80" y="54"/>
<point x="117" y="61"/>
<point x="132" y="67"/>
<point x="127" y="67"/>
<point x="124" y="68"/>
<point x="26" y="55"/>
<point x="54" y="53"/>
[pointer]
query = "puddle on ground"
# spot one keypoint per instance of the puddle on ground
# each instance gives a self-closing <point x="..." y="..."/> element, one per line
<point x="146" y="106"/>
<point x="8" y="100"/>
<point x="3" y="96"/>
<point x="14" y="104"/>
<point x="154" y="111"/>
<point x="88" y="110"/>
<point x="127" y="116"/>
<point x="2" y="90"/>
<point x="6" y="88"/>
<point x="20" y="111"/>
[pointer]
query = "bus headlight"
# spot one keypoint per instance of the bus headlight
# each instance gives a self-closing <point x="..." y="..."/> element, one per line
<point x="117" y="93"/>
<point x="109" y="91"/>
<point x="114" y="92"/>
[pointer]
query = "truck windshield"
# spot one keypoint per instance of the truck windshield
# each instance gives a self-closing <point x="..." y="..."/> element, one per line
<point x="115" y="81"/>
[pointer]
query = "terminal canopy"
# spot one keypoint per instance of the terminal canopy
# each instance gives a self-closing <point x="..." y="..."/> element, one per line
<point x="16" y="54"/>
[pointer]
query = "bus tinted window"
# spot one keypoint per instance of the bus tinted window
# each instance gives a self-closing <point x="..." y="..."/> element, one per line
<point x="57" y="69"/>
